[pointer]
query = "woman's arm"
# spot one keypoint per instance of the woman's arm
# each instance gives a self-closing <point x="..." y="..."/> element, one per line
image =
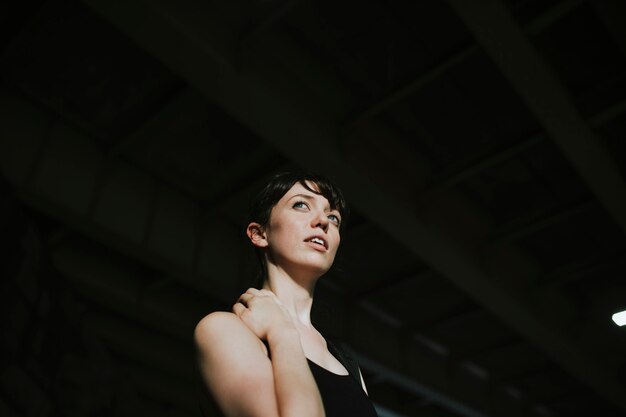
<point x="296" y="391"/>
<point x="236" y="369"/>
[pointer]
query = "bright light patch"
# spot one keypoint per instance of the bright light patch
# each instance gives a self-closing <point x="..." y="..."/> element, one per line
<point x="620" y="318"/>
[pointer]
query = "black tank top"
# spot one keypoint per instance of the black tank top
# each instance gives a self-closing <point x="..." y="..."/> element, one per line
<point x="341" y="394"/>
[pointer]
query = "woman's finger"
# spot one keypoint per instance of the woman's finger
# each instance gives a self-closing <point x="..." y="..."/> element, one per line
<point x="245" y="298"/>
<point x="238" y="309"/>
<point x="252" y="291"/>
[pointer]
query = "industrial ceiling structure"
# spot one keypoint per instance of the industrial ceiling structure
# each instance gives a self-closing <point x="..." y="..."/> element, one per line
<point x="481" y="146"/>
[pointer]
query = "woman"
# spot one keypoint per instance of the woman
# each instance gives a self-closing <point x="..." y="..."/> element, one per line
<point x="266" y="358"/>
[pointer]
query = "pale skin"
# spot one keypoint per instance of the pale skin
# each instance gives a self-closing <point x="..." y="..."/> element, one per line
<point x="243" y="376"/>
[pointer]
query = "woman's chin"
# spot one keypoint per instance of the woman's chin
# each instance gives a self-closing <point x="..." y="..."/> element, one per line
<point x="312" y="269"/>
<point x="308" y="266"/>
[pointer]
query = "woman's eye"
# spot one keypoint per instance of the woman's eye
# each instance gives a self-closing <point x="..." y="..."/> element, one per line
<point x="300" y="204"/>
<point x="334" y="218"/>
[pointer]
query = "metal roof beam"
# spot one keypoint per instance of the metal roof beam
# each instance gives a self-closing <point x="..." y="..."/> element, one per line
<point x="453" y="178"/>
<point x="535" y="26"/>
<point x="512" y="52"/>
<point x="533" y="223"/>
<point x="612" y="14"/>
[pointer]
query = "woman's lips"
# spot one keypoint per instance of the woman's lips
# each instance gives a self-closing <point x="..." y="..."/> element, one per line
<point x="317" y="246"/>
<point x="318" y="239"/>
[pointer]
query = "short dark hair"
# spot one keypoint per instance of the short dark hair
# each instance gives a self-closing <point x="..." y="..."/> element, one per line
<point x="277" y="186"/>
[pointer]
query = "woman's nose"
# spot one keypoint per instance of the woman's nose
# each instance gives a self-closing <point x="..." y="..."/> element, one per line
<point x="321" y="221"/>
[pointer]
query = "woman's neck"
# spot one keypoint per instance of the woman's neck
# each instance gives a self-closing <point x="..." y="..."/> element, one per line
<point x="296" y="296"/>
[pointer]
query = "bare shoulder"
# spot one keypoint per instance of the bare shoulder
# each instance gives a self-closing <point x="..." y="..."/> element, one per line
<point x="215" y="323"/>
<point x="225" y="328"/>
<point x="234" y="366"/>
<point x="217" y="319"/>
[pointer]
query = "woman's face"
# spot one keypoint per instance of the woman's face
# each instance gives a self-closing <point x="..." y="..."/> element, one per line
<point x="303" y="232"/>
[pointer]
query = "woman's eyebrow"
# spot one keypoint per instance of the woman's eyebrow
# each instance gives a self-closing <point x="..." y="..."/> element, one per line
<point x="307" y="196"/>
<point x="312" y="198"/>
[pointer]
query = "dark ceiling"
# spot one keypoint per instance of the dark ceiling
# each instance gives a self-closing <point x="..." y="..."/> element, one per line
<point x="481" y="146"/>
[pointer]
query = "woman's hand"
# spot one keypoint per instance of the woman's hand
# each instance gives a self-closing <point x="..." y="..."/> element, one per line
<point x="263" y="313"/>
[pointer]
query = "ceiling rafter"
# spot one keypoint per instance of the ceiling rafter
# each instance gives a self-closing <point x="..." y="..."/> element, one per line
<point x="512" y="376"/>
<point x="416" y="387"/>
<point x="413" y="86"/>
<point x="470" y="353"/>
<point x="582" y="270"/>
<point x="512" y="52"/>
<point x="547" y="98"/>
<point x="535" y="26"/>
<point x="391" y="281"/>
<point x="423" y="324"/>
<point x="450" y="179"/>
<point x="91" y="226"/>
<point x="612" y="14"/>
<point x="550" y="16"/>
<point x="533" y="223"/>
<point x="267" y="22"/>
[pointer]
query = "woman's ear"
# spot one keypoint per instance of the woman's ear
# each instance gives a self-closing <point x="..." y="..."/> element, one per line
<point x="256" y="234"/>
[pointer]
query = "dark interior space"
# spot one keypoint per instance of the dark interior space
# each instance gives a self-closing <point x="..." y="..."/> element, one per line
<point x="481" y="146"/>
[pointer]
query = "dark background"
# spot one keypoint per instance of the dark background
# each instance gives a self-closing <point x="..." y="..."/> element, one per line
<point x="481" y="145"/>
